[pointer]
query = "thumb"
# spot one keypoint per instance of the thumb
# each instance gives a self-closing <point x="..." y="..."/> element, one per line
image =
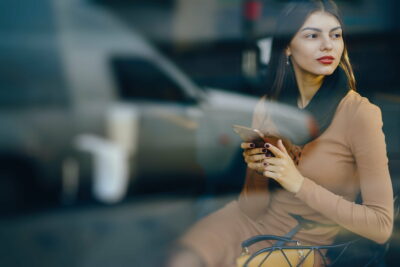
<point x="282" y="147"/>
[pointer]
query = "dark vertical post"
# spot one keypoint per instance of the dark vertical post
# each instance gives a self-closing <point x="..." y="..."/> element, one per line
<point x="251" y="14"/>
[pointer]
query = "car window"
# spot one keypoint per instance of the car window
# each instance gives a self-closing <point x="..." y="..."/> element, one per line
<point x="140" y="79"/>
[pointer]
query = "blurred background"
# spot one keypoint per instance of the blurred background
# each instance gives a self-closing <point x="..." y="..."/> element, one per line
<point x="116" y="115"/>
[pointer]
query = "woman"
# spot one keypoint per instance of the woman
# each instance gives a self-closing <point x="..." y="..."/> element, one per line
<point x="310" y="70"/>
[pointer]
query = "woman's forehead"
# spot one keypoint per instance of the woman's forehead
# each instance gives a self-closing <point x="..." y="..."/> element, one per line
<point x="321" y="20"/>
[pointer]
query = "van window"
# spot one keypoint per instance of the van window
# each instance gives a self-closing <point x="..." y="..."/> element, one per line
<point x="139" y="79"/>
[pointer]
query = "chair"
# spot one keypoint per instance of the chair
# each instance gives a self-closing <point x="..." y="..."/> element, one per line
<point x="348" y="249"/>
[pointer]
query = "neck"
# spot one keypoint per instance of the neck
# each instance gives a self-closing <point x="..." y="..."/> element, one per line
<point x="309" y="85"/>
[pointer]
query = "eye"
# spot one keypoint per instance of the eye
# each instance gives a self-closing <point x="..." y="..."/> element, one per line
<point x="337" y="35"/>
<point x="311" y="36"/>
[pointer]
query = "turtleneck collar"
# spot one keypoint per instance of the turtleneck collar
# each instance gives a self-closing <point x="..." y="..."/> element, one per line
<point x="323" y="104"/>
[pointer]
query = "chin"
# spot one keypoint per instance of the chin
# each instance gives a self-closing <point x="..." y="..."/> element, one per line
<point x="326" y="71"/>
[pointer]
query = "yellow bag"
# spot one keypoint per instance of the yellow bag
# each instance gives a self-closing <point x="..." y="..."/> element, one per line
<point x="276" y="256"/>
<point x="281" y="254"/>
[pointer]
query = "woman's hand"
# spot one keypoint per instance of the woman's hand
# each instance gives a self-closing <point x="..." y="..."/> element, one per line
<point x="282" y="169"/>
<point x="254" y="157"/>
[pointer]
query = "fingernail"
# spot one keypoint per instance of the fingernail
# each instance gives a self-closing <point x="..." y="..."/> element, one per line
<point x="252" y="145"/>
<point x="264" y="150"/>
<point x="266" y="145"/>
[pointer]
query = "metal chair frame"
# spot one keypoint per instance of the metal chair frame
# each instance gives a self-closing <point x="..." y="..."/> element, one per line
<point x="283" y="247"/>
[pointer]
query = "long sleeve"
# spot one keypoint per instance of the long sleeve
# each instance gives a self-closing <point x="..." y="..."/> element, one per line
<point x="373" y="218"/>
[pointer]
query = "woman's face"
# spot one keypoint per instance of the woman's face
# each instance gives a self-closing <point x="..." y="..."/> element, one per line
<point x="320" y="36"/>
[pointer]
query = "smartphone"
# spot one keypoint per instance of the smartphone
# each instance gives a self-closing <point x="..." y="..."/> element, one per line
<point x="250" y="135"/>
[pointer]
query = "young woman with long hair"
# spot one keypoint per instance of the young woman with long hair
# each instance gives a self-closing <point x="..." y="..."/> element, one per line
<point x="320" y="178"/>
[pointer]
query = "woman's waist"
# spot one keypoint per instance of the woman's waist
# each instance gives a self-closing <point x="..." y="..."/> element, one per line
<point x="318" y="235"/>
<point x="317" y="229"/>
<point x="283" y="203"/>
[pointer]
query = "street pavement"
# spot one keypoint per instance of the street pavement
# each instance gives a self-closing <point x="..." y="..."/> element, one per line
<point x="135" y="233"/>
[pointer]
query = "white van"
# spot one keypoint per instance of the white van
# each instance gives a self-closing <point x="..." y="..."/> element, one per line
<point x="128" y="107"/>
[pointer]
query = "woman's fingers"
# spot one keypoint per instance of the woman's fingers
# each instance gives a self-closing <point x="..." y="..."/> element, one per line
<point x="257" y="157"/>
<point x="275" y="169"/>
<point x="259" y="166"/>
<point x="254" y="151"/>
<point x="247" y="145"/>
<point x="262" y="157"/>
<point x="274" y="161"/>
<point x="282" y="147"/>
<point x="273" y="175"/>
<point x="276" y="151"/>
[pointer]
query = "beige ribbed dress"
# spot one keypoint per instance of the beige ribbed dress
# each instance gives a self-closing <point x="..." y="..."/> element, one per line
<point x="348" y="158"/>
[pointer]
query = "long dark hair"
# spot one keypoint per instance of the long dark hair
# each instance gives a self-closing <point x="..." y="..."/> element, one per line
<point x="280" y="74"/>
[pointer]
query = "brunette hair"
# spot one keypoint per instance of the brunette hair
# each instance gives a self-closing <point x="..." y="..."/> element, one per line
<point x="288" y="24"/>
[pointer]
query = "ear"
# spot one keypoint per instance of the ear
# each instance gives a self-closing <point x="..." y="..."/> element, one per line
<point x="287" y="51"/>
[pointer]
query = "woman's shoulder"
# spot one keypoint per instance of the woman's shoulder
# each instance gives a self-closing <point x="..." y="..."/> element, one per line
<point x="359" y="111"/>
<point x="354" y="104"/>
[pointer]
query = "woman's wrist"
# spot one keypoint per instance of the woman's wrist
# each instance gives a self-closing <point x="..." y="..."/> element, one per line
<point x="299" y="184"/>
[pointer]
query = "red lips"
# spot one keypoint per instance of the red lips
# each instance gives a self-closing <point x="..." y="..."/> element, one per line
<point x="326" y="59"/>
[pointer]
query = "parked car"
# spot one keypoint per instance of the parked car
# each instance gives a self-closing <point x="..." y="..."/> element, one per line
<point x="91" y="102"/>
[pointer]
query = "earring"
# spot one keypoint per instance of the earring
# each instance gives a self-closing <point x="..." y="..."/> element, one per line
<point x="287" y="60"/>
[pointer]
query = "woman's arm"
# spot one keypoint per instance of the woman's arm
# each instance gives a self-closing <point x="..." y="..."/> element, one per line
<point x="374" y="218"/>
<point x="254" y="197"/>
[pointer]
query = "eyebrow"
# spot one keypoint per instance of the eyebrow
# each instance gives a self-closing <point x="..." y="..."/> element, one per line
<point x="319" y="30"/>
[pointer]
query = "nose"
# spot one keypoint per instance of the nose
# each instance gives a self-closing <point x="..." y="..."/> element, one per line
<point x="326" y="43"/>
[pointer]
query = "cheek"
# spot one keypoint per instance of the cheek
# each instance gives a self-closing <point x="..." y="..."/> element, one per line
<point x="340" y="51"/>
<point x="304" y="56"/>
<point x="304" y="51"/>
<point x="339" y="48"/>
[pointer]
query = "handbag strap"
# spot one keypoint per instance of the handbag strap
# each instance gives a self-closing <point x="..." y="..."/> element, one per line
<point x="281" y="240"/>
<point x="259" y="238"/>
<point x="301" y="224"/>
